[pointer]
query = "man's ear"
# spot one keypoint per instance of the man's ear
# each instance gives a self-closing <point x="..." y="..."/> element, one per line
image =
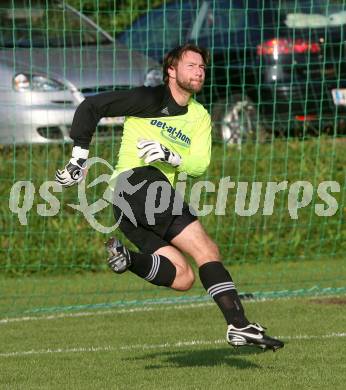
<point x="171" y="72"/>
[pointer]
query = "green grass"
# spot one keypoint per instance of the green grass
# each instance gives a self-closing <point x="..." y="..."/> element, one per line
<point x="98" y="330"/>
<point x="46" y="294"/>
<point x="175" y="347"/>
<point x="106" y="331"/>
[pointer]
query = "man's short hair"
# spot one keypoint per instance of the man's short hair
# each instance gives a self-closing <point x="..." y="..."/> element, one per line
<point x="176" y="54"/>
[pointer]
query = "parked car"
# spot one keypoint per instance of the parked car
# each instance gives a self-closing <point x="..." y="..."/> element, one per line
<point x="51" y="58"/>
<point x="276" y="66"/>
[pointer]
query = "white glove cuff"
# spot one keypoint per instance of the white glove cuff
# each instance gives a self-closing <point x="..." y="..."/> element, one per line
<point x="174" y="159"/>
<point x="78" y="152"/>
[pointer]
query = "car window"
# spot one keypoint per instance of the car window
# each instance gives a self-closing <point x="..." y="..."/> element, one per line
<point x="224" y="25"/>
<point x="161" y="28"/>
<point x="208" y="23"/>
<point x="224" y="18"/>
<point x="44" y="24"/>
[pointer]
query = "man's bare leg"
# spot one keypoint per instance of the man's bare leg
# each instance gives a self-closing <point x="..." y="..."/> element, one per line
<point x="194" y="241"/>
<point x="168" y="267"/>
<point x="185" y="277"/>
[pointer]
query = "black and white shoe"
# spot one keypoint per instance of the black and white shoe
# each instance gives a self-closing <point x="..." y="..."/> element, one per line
<point x="252" y="334"/>
<point x="119" y="258"/>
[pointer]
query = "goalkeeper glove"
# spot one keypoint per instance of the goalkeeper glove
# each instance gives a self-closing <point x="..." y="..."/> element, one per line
<point x="75" y="170"/>
<point x="153" y="151"/>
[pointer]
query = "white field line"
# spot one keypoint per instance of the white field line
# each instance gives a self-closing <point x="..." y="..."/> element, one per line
<point x="178" y="344"/>
<point x="95" y="313"/>
<point x="104" y="312"/>
<point x="153" y="307"/>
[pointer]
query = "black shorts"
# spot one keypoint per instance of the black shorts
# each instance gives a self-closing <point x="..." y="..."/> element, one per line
<point x="156" y="208"/>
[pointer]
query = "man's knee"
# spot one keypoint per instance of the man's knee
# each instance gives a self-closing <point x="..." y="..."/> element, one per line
<point x="184" y="279"/>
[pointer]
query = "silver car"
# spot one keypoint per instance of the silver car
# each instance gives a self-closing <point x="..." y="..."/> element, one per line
<point x="51" y="58"/>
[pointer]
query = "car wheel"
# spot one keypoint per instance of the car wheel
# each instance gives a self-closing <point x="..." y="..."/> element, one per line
<point x="235" y="121"/>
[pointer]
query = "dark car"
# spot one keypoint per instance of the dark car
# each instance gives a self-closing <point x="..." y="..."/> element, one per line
<point x="278" y="66"/>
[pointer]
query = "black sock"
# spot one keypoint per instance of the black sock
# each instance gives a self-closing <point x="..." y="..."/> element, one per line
<point x="218" y="283"/>
<point x="156" y="269"/>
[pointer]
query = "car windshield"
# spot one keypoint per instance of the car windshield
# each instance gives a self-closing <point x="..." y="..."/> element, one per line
<point x="45" y="24"/>
<point x="179" y="22"/>
<point x="166" y="26"/>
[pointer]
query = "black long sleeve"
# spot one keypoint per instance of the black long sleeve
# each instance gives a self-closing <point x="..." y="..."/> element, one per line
<point x="143" y="102"/>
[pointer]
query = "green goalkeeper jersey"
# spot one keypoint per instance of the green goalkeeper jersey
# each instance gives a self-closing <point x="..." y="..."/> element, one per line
<point x="189" y="135"/>
<point x="152" y="114"/>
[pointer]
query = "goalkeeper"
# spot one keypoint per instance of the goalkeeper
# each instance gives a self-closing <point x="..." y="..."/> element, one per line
<point x="165" y="132"/>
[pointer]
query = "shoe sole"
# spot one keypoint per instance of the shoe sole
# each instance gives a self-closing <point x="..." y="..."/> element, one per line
<point x="264" y="347"/>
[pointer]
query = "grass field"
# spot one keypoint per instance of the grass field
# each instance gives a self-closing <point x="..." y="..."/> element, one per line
<point x="176" y="347"/>
<point x="63" y="326"/>
<point x="72" y="292"/>
<point x="88" y="331"/>
<point x="66" y="322"/>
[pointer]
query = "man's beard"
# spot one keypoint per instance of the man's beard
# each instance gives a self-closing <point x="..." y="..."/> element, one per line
<point x="187" y="86"/>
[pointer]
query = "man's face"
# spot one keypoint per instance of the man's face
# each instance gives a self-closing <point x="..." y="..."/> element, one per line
<point x="189" y="72"/>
